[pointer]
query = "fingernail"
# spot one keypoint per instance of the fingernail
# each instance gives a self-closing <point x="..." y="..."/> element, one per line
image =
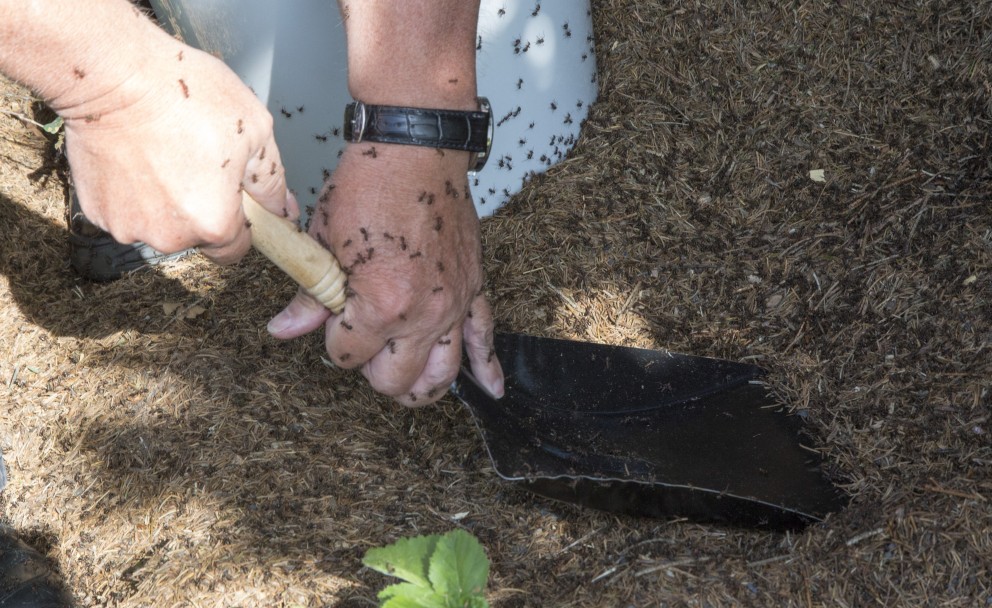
<point x="280" y="323"/>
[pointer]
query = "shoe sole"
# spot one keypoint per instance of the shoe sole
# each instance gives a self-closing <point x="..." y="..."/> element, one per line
<point x="96" y="256"/>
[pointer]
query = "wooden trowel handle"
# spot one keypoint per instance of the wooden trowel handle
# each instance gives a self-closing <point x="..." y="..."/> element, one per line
<point x="299" y="256"/>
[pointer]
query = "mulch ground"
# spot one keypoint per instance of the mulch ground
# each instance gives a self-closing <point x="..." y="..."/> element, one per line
<point x="163" y="450"/>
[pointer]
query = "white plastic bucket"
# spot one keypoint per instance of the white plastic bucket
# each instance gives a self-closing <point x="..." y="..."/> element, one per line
<point x="535" y="63"/>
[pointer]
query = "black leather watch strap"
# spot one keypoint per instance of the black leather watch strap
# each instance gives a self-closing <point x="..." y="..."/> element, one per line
<point x="450" y="129"/>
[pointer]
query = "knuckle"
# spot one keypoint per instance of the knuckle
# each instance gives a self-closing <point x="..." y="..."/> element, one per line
<point x="210" y="234"/>
<point x="266" y="121"/>
<point x="158" y="242"/>
<point x="342" y="358"/>
<point x="216" y="233"/>
<point x="394" y="303"/>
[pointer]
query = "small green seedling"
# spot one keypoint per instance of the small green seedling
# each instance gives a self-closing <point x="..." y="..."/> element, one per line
<point x="53" y="127"/>
<point x="441" y="571"/>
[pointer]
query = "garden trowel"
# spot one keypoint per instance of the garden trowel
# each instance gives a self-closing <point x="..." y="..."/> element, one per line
<point x="627" y="430"/>
<point x="649" y="433"/>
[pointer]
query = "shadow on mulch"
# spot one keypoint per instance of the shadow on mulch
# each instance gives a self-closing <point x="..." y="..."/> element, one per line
<point x="34" y="254"/>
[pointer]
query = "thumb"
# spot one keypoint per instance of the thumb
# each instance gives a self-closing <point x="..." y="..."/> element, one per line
<point x="303" y="315"/>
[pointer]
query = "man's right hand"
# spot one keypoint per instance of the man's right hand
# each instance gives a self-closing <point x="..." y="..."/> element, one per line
<point x="160" y="137"/>
<point x="164" y="163"/>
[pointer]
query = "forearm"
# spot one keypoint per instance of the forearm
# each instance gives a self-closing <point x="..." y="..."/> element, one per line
<point x="72" y="52"/>
<point x="417" y="53"/>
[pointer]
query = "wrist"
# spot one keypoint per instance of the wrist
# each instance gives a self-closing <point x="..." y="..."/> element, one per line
<point x="74" y="54"/>
<point x="444" y="87"/>
<point x="155" y="58"/>
<point x="414" y="53"/>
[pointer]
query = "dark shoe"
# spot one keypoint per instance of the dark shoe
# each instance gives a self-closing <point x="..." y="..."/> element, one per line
<point x="95" y="255"/>
<point x="26" y="581"/>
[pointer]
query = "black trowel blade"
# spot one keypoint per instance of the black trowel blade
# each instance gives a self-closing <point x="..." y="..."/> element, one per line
<point x="649" y="433"/>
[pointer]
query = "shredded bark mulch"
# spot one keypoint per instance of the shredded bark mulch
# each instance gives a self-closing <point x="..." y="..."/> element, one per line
<point x="800" y="185"/>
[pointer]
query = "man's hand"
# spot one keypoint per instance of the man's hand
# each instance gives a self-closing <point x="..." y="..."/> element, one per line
<point x="410" y="246"/>
<point x="160" y="137"/>
<point x="400" y="218"/>
<point x="167" y="166"/>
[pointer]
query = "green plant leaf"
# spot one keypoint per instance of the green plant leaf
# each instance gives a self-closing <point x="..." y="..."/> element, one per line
<point x="54" y="126"/>
<point x="459" y="567"/>
<point x="405" y="602"/>
<point x="408" y="595"/>
<point x="407" y="558"/>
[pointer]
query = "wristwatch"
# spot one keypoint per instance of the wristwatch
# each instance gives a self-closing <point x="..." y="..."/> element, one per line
<point x="450" y="129"/>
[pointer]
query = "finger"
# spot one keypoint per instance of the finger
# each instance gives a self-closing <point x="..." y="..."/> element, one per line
<point x="302" y="315"/>
<point x="438" y="374"/>
<point x="220" y="231"/>
<point x="265" y="181"/>
<point x="394" y="370"/>
<point x="478" y="331"/>
<point x="234" y="249"/>
<point x="350" y="343"/>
